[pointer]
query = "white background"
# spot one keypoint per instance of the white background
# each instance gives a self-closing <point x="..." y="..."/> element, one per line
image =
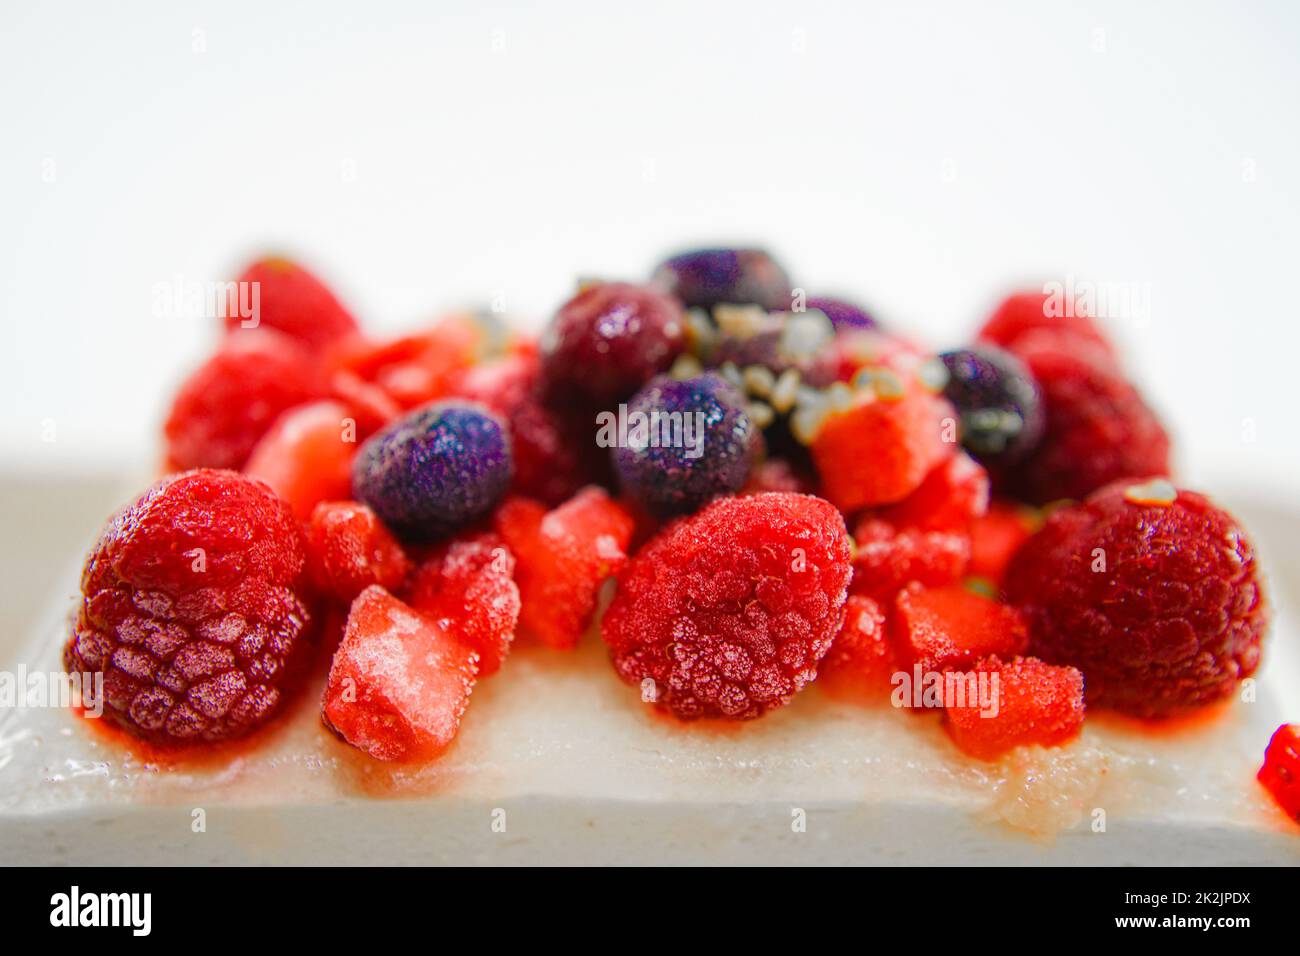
<point x="924" y="157"/>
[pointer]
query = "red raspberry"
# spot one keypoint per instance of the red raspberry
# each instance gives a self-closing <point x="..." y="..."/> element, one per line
<point x="1097" y="430"/>
<point x="468" y="585"/>
<point x="1152" y="593"/>
<point x="290" y="300"/>
<point x="946" y="628"/>
<point x="1035" y="314"/>
<point x="887" y="558"/>
<point x="1280" y="773"/>
<point x="729" y="611"/>
<point x="231" y="400"/>
<point x="348" y="549"/>
<point x="1033" y="703"/>
<point x="399" y="681"/>
<point x="861" y="662"/>
<point x="191" y="609"/>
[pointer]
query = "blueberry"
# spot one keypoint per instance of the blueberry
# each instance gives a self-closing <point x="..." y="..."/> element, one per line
<point x="843" y="314"/>
<point x="709" y="277"/>
<point x="434" y="470"/>
<point x="686" y="442"/>
<point x="997" y="400"/>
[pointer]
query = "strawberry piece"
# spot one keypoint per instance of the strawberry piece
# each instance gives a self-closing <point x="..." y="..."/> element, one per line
<point x="564" y="556"/>
<point x="290" y="300"/>
<point x="1031" y="703"/>
<point x="879" y="450"/>
<point x="348" y="549"/>
<point x="1280" y="773"/>
<point x="399" y="681"/>
<point x="306" y="457"/>
<point x="468" y="586"/>
<point x="373" y="407"/>
<point x="415" y="369"/>
<point x="953" y="494"/>
<point x="1037" y="314"/>
<point x="946" y="628"/>
<point x="888" y="558"/>
<point x="997" y="536"/>
<point x="861" y="662"/>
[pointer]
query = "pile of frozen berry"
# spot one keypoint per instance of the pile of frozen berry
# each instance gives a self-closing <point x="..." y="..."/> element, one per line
<point x="782" y="488"/>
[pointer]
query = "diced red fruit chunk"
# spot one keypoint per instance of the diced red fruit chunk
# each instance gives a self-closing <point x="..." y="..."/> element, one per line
<point x="349" y="549"/>
<point x="290" y="300"/>
<point x="306" y="457"/>
<point x="861" y="662"/>
<point x="399" y="681"/>
<point x="947" y="628"/>
<point x="857" y="348"/>
<point x="888" y="558"/>
<point x="229" y="402"/>
<point x="1280" y="773"/>
<point x="372" y="407"/>
<point x="1034" y="703"/>
<point x="417" y="368"/>
<point x="953" y="494"/>
<point x="468" y="585"/>
<point x="1040" y="315"/>
<point x="997" y="536"/>
<point x="878" y="451"/>
<point x="564" y="556"/>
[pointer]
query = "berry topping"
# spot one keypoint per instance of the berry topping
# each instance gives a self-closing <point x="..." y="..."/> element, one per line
<point x="843" y="315"/>
<point x="709" y="277"/>
<point x="954" y="494"/>
<point x="1280" y="773"/>
<point x="191" y="610"/>
<point x="1159" y="605"/>
<point x="288" y="299"/>
<point x="348" y="550"/>
<point x="996" y="536"/>
<point x="888" y="558"/>
<point x="230" y="400"/>
<point x="468" y="586"/>
<point x="609" y="340"/>
<point x="415" y="369"/>
<point x="861" y="662"/>
<point x="306" y="457"/>
<point x="1030" y="703"/>
<point x="996" y="400"/>
<point x="1097" y="429"/>
<point x="726" y="613"/>
<point x="1043" y="318"/>
<point x="949" y="628"/>
<point x="686" y="442"/>
<point x="434" y="470"/>
<point x="399" y="681"/>
<point x="564" y="556"/>
<point x="791" y="347"/>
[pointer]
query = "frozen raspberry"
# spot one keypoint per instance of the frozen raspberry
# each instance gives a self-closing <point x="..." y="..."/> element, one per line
<point x="687" y="441"/>
<point x="953" y="495"/>
<point x="306" y="457"/>
<point x="1280" y="773"/>
<point x="1097" y="430"/>
<point x="230" y="400"/>
<point x="289" y="299"/>
<point x="727" y="613"/>
<point x="995" y="537"/>
<point x="997" y="402"/>
<point x="843" y="314"/>
<point x="548" y="467"/>
<point x="947" y="628"/>
<point x="861" y="662"/>
<point x="564" y="555"/>
<point x="609" y="340"/>
<point x="709" y="277"/>
<point x="1152" y="592"/>
<point x="468" y="585"/>
<point x="399" y="681"/>
<point x="1042" y="317"/>
<point x="348" y="549"/>
<point x="888" y="558"/>
<point x="191" y="609"/>
<point x="434" y="470"/>
<point x="1031" y="703"/>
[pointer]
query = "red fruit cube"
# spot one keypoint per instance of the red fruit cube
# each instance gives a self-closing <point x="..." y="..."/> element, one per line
<point x="1026" y="702"/>
<point x="564" y="556"/>
<point x="1280" y="774"/>
<point x="888" y="559"/>
<point x="879" y="450"/>
<point x="399" y="681"/>
<point x="947" y="628"/>
<point x="996" y="536"/>
<point x="349" y="549"/>
<point x="468" y="586"/>
<point x="290" y="300"/>
<point x="417" y="368"/>
<point x="306" y="457"/>
<point x="861" y="662"/>
<point x="372" y="407"/>
<point x="953" y="494"/>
